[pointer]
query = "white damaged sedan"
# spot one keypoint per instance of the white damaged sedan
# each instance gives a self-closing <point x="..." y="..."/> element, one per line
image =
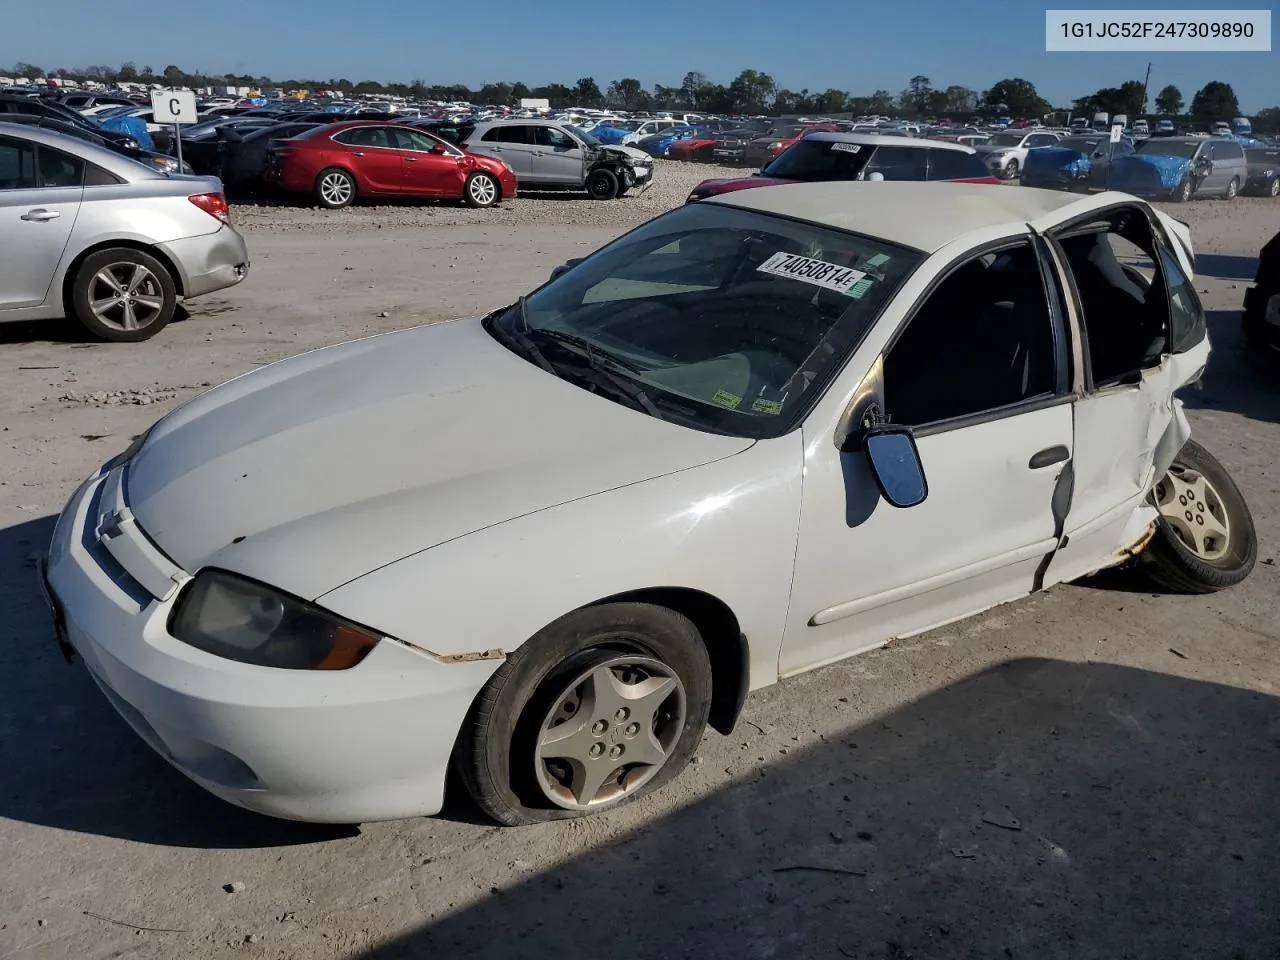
<point x="546" y="548"/>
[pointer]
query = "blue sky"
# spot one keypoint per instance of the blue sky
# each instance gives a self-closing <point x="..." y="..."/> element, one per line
<point x="815" y="44"/>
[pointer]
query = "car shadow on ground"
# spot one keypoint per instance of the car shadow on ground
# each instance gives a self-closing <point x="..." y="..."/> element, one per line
<point x="1226" y="267"/>
<point x="1039" y="809"/>
<point x="1234" y="381"/>
<point x="64" y="331"/>
<point x="72" y="763"/>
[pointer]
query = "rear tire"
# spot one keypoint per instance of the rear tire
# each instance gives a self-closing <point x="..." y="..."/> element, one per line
<point x="335" y="189"/>
<point x="602" y="184"/>
<point x="1204" y="540"/>
<point x="123" y="295"/>
<point x="504" y="754"/>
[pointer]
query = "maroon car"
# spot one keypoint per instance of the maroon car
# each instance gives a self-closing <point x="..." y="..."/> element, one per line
<point x="342" y="161"/>
<point x="859" y="156"/>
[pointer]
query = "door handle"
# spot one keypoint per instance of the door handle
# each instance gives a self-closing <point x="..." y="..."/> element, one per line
<point x="410" y="159"/>
<point x="357" y="153"/>
<point x="1048" y="457"/>
<point x="40" y="215"/>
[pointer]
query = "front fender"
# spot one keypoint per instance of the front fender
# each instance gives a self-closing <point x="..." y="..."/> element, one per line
<point x="726" y="528"/>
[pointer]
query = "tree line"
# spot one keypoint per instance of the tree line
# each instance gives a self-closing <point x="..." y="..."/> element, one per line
<point x="750" y="92"/>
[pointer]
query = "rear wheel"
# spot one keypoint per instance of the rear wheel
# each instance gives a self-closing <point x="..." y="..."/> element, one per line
<point x="123" y="295"/>
<point x="603" y="706"/>
<point x="602" y="184"/>
<point x="1205" y="539"/>
<point x="335" y="188"/>
<point x="1274" y="189"/>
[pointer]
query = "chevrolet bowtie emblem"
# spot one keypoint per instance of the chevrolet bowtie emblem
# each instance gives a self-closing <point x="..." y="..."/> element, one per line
<point x="109" y="526"/>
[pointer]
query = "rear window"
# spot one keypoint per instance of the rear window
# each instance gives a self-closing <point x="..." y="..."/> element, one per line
<point x="814" y="160"/>
<point x="956" y="165"/>
<point x="506" y="134"/>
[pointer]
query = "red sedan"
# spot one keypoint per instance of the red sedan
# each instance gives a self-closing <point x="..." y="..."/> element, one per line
<point x="342" y="161"/>
<point x="692" y="148"/>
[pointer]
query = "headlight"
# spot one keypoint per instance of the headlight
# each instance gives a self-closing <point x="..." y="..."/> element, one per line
<point x="241" y="619"/>
<point x="775" y="145"/>
<point x="167" y="164"/>
<point x="132" y="144"/>
<point x="129" y="452"/>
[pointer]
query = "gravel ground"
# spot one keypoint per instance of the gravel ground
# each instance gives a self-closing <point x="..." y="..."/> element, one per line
<point x="672" y="181"/>
<point x="1088" y="773"/>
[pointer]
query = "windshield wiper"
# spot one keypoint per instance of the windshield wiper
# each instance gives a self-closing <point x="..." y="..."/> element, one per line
<point x="600" y="364"/>
<point x="594" y="354"/>
<point x="519" y="337"/>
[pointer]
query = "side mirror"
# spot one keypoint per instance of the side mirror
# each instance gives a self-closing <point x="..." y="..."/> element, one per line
<point x="565" y="267"/>
<point x="437" y="148"/>
<point x="895" y="463"/>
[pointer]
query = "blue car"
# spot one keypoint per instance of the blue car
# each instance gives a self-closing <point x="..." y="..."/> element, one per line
<point x="1076" y="163"/>
<point x="1179" y="168"/>
<point x="656" y="145"/>
<point x="615" y="133"/>
<point x="135" y="127"/>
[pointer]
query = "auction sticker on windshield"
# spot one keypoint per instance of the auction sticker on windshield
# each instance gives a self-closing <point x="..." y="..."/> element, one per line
<point x="841" y="147"/>
<point x="820" y="273"/>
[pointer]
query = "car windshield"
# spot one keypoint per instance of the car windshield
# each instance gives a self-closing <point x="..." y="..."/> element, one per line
<point x="583" y="135"/>
<point x="622" y="124"/>
<point x="724" y="320"/>
<point x="1168" y="148"/>
<point x="787" y="132"/>
<point x="1006" y="139"/>
<point x="819" y="160"/>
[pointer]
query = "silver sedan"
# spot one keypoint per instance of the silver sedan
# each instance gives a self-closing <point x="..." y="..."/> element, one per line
<point x="89" y="234"/>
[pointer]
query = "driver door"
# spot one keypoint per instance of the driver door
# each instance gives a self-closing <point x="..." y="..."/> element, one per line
<point x="557" y="158"/>
<point x="430" y="168"/>
<point x="977" y="369"/>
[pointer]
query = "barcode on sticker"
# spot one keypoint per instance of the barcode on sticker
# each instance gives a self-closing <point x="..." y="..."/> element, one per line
<point x="820" y="273"/>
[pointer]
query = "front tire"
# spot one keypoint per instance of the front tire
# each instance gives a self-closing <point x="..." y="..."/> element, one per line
<point x="602" y="184"/>
<point x="480" y="191"/>
<point x="1205" y="539"/>
<point x="123" y="295"/>
<point x="1233" y="189"/>
<point x="1182" y="192"/>
<point x="1274" y="189"/>
<point x="335" y="189"/>
<point x="1013" y="170"/>
<point x="605" y="705"/>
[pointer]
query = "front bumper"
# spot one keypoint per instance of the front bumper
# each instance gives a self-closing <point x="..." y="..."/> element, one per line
<point x="728" y="154"/>
<point x="209" y="262"/>
<point x="350" y="746"/>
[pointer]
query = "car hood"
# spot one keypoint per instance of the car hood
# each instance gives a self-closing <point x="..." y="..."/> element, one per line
<point x="318" y="469"/>
<point x="630" y="153"/>
<point x="1055" y="157"/>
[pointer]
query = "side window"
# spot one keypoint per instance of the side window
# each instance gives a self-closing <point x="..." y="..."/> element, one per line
<point x="556" y="139"/>
<point x="1229" y="151"/>
<point x="58" y="169"/>
<point x="1186" y="315"/>
<point x="413" y="140"/>
<point x="982" y="340"/>
<point x="509" y="133"/>
<point x="898" y="163"/>
<point x="955" y="165"/>
<point x="1122" y="296"/>
<point x="17" y="165"/>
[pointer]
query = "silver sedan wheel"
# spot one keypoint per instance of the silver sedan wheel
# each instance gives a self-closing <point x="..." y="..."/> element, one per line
<point x="126" y="296"/>
<point x="483" y="190"/>
<point x="609" y="732"/>
<point x="1194" y="510"/>
<point x="336" y="189"/>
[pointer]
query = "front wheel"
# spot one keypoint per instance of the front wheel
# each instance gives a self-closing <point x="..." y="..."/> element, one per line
<point x="123" y="295"/>
<point x="1205" y="539"/>
<point x="1013" y="170"/>
<point x="602" y="184"/>
<point x="603" y="706"/>
<point x="1274" y="189"/>
<point x="1182" y="192"/>
<point x="480" y="190"/>
<point x="1233" y="188"/>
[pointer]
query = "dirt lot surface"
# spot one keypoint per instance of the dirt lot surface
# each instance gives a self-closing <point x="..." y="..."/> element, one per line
<point x="1092" y="772"/>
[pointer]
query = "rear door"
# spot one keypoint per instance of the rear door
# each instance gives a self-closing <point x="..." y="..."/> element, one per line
<point x="898" y="163"/>
<point x="40" y="194"/>
<point x="375" y="159"/>
<point x="509" y="142"/>
<point x="558" y="159"/>
<point x="957" y="166"/>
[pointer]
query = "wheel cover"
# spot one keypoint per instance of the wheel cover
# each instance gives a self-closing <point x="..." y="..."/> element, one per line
<point x="125" y="296"/>
<point x="335" y="188"/>
<point x="1231" y="189"/>
<point x="1275" y="186"/>
<point x="609" y="731"/>
<point x="483" y="190"/>
<point x="1194" y="510"/>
